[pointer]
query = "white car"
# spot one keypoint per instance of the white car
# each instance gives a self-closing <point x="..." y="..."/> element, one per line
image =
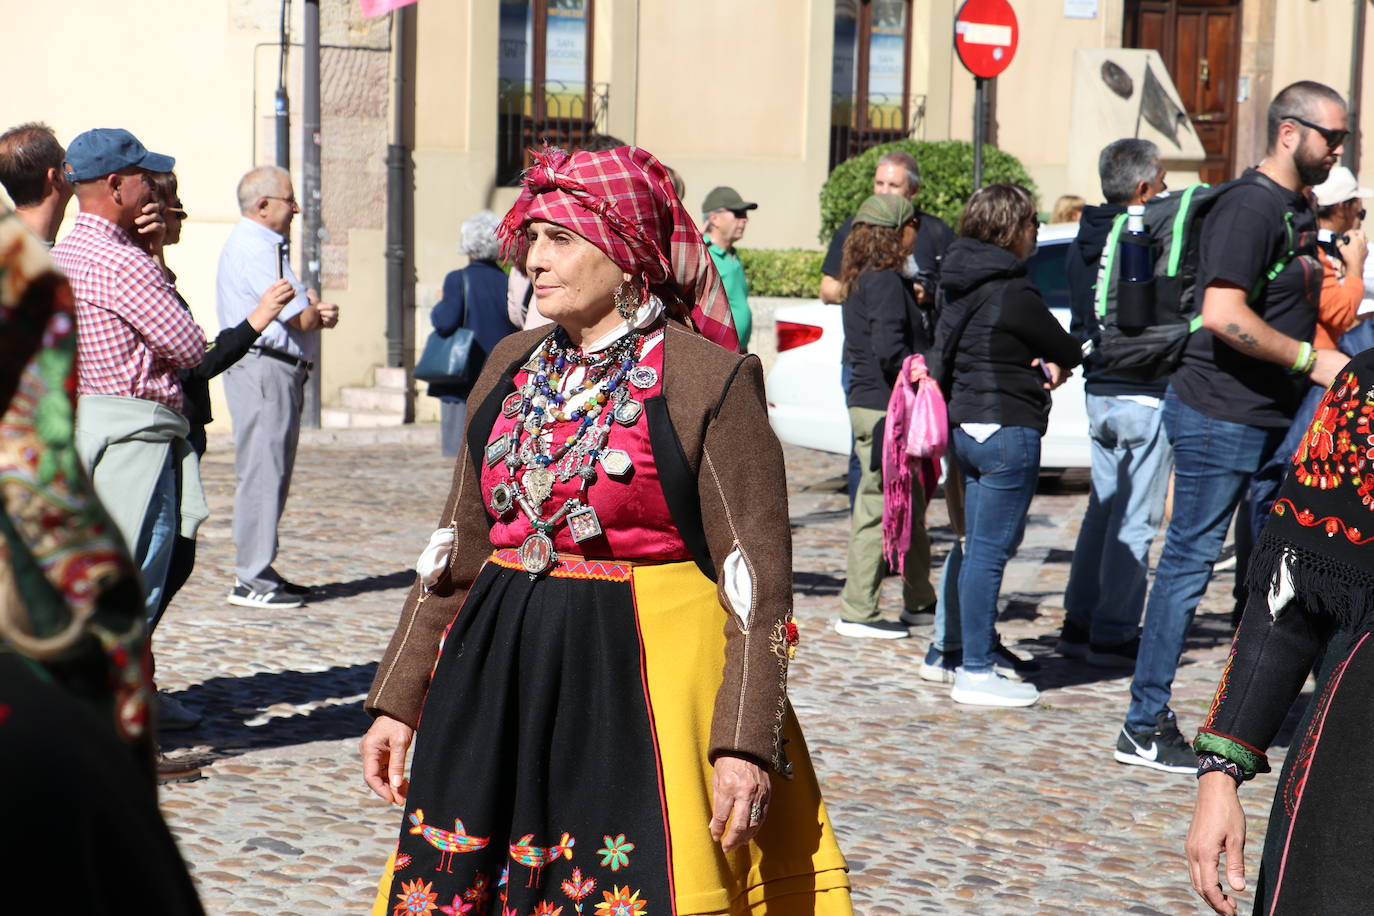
<point x="806" y="401"/>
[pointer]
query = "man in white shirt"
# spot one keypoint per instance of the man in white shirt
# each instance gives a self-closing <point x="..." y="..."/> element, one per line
<point x="266" y="388"/>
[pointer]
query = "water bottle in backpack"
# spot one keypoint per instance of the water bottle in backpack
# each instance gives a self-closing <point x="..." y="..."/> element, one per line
<point x="1136" y="282"/>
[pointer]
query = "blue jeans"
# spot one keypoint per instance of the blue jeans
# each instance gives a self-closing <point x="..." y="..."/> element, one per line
<point x="1213" y="463"/>
<point x="154" y="551"/>
<point x="949" y="630"/>
<point x="999" y="480"/>
<point x="1111" y="561"/>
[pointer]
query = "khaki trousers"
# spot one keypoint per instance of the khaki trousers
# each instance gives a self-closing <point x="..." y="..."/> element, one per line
<point x="864" y="576"/>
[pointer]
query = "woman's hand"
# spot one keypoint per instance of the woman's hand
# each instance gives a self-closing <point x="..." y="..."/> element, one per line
<point x="270" y="304"/>
<point x="1218" y="826"/>
<point x="384" y="758"/>
<point x="740" y="790"/>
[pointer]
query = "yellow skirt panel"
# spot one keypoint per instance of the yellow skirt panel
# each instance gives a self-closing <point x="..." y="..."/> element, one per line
<point x="795" y="854"/>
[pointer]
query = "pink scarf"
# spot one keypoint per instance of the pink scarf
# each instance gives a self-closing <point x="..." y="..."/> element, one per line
<point x="916" y="435"/>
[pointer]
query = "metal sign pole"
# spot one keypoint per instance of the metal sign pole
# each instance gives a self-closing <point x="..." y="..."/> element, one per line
<point x="979" y="127"/>
<point x="310" y="195"/>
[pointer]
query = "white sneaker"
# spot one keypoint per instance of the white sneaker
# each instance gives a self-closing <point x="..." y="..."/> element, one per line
<point x="243" y="596"/>
<point x="877" y="629"/>
<point x="991" y="689"/>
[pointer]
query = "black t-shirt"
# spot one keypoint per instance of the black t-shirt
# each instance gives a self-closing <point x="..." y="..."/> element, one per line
<point x="933" y="236"/>
<point x="1242" y="238"/>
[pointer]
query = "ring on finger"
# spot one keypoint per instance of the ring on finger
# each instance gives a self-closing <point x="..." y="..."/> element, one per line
<point x="755" y="813"/>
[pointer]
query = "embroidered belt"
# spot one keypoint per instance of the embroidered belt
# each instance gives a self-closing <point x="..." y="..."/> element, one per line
<point x="569" y="567"/>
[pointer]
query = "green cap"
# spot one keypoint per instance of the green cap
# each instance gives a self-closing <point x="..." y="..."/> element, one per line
<point x="725" y="199"/>
<point x="891" y="211"/>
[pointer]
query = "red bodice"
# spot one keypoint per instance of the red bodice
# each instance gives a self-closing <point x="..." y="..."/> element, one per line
<point x="634" y="516"/>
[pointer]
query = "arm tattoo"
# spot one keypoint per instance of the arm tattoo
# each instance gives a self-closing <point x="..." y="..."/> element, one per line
<point x="1234" y="333"/>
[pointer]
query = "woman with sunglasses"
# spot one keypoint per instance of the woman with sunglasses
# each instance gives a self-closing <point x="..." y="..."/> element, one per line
<point x="1005" y="352"/>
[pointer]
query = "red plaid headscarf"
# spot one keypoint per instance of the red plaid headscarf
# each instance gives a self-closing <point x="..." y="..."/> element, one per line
<point x="622" y="201"/>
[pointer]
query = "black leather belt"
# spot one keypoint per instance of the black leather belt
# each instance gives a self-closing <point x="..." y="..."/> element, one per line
<point x="282" y="357"/>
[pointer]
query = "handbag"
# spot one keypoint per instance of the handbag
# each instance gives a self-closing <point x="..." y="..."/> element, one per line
<point x="450" y="360"/>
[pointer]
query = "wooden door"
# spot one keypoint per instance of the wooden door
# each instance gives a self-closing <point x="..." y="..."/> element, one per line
<point x="1199" y="41"/>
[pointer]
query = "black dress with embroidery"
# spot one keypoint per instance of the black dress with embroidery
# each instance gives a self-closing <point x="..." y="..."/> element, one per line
<point x="1311" y="586"/>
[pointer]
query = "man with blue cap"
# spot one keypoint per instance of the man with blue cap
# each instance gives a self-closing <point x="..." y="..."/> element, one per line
<point x="132" y="337"/>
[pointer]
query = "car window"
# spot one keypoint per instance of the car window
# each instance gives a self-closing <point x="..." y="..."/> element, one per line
<point x="1047" y="271"/>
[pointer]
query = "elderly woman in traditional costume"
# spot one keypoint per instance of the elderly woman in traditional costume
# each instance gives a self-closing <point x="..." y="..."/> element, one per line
<point x="1310" y="605"/>
<point x="609" y="599"/>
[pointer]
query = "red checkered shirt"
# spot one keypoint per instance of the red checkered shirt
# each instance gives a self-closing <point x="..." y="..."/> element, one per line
<point x="131" y="332"/>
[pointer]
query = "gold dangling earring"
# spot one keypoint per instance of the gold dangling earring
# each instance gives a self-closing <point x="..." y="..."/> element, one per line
<point x="626" y="300"/>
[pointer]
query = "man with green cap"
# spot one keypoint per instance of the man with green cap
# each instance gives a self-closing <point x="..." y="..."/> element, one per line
<point x="724" y="216"/>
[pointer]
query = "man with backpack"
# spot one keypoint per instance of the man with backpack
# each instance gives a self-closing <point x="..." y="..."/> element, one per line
<point x="1131" y="457"/>
<point x="1234" y="393"/>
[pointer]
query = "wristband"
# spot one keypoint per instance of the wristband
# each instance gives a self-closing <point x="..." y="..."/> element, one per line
<point x="1306" y="358"/>
<point x="1215" y="763"/>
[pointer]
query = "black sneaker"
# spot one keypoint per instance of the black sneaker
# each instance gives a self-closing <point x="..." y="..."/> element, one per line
<point x="1012" y="666"/>
<point x="874" y="629"/>
<point x="243" y="596"/>
<point x="293" y="589"/>
<point x="921" y="618"/>
<point x="1116" y="655"/>
<point x="1159" y="748"/>
<point x="1073" y="641"/>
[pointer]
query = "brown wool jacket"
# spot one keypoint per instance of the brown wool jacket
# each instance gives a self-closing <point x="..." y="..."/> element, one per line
<point x="722" y="473"/>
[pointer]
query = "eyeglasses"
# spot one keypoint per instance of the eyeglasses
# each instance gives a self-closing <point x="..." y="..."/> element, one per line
<point x="289" y="201"/>
<point x="1334" y="136"/>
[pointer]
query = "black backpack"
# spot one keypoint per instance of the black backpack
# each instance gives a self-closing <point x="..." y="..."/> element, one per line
<point x="1145" y="326"/>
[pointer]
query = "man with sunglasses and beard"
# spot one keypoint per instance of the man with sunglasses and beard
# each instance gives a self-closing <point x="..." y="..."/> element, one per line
<point x="1242" y="378"/>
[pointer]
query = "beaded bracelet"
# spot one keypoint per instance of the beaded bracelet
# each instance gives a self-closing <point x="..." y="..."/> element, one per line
<point x="1213" y="763"/>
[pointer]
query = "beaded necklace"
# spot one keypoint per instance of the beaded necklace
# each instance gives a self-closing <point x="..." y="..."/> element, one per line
<point x="533" y="462"/>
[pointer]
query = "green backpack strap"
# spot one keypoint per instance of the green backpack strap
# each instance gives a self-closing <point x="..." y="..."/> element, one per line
<point x="1108" y="265"/>
<point x="1278" y="266"/>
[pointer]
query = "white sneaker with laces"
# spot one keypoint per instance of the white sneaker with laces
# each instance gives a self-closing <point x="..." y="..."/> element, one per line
<point x="991" y="689"/>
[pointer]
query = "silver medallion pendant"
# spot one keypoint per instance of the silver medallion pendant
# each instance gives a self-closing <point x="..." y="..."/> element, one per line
<point x="627" y="412"/>
<point x="583" y="524"/>
<point x="643" y="376"/>
<point x="616" y="462"/>
<point x="502" y="499"/>
<point x="538" y="486"/>
<point x="536" y="554"/>
<point x="511" y="405"/>
<point x="497" y="448"/>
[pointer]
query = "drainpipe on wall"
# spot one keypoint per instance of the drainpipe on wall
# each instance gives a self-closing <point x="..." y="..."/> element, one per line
<point x="1352" y="145"/>
<point x="310" y="195"/>
<point x="396" y="177"/>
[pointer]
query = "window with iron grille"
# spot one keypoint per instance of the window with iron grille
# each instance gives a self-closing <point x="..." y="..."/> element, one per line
<point x="870" y="83"/>
<point x="545" y="89"/>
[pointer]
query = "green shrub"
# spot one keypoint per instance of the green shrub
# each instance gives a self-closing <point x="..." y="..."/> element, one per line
<point x="790" y="272"/>
<point x="946" y="179"/>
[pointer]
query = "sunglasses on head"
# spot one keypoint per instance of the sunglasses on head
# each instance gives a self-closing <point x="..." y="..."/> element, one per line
<point x="1334" y="136"/>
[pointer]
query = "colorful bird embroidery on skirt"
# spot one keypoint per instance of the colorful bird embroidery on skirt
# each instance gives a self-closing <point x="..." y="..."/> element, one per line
<point x="446" y="841"/>
<point x="536" y="857"/>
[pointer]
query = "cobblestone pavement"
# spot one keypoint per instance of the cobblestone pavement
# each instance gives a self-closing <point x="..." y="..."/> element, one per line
<point x="940" y="808"/>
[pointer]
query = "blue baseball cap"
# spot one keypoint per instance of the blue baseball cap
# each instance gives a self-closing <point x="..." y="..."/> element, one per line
<point x="107" y="150"/>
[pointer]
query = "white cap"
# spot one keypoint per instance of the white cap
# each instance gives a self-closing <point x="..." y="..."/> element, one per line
<point x="1339" y="187"/>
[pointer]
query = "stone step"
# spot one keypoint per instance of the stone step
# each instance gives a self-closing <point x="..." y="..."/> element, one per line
<point x="390" y="377"/>
<point x="349" y="417"/>
<point x="376" y="399"/>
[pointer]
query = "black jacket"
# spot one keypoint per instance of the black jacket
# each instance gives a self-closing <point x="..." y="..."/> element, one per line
<point x="994" y="381"/>
<point x="227" y="348"/>
<point x="1083" y="257"/>
<point x="882" y="327"/>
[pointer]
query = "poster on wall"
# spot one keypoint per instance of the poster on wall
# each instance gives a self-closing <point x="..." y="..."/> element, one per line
<point x="886" y="64"/>
<point x="565" y="60"/>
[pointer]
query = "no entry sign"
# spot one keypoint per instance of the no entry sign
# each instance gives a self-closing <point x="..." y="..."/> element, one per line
<point x="985" y="36"/>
